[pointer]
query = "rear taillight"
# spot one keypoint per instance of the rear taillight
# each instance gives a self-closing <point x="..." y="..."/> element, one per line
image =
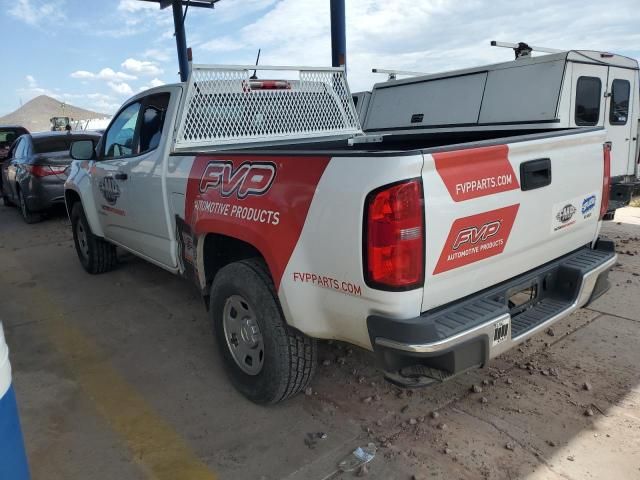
<point x="394" y="237"/>
<point x="606" y="180"/>
<point x="45" y="170"/>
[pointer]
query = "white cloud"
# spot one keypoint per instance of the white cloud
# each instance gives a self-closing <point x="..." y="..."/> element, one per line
<point x="156" y="82"/>
<point x="35" y="12"/>
<point x="222" y="44"/>
<point x="429" y="36"/>
<point x="107" y="74"/>
<point x="141" y="67"/>
<point x="83" y="74"/>
<point x="121" y="88"/>
<point x="32" y="89"/>
<point x="132" y="6"/>
<point x="159" y="54"/>
<point x="227" y="11"/>
<point x="31" y="81"/>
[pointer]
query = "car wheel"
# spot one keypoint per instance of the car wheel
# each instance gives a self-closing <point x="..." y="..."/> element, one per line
<point x="27" y="215"/>
<point x="265" y="359"/>
<point x="96" y="255"/>
<point x="6" y="201"/>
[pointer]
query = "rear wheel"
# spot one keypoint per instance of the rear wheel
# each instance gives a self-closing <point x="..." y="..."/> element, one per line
<point x="96" y="255"/>
<point x="27" y="215"/>
<point x="265" y="359"/>
<point x="6" y="201"/>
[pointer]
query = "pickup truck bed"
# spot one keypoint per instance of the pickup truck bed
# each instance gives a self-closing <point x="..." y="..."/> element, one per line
<point x="437" y="259"/>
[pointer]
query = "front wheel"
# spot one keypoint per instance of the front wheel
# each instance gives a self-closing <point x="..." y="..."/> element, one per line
<point x="265" y="359"/>
<point x="96" y="255"/>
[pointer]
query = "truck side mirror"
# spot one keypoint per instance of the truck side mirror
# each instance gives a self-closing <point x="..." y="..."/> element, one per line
<point x="83" y="150"/>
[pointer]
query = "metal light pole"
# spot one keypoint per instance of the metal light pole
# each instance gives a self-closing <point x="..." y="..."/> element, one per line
<point x="178" y="22"/>
<point x="181" y="40"/>
<point x="338" y="34"/>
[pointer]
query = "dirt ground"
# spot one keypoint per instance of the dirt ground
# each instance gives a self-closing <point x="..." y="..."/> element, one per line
<point x="117" y="376"/>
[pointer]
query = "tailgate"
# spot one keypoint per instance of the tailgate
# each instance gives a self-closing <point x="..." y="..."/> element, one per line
<point x="494" y="212"/>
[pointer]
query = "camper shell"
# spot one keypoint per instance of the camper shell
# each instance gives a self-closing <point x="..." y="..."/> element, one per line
<point x="567" y="90"/>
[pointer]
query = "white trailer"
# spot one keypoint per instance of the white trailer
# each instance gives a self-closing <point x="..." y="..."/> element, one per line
<point x="566" y="90"/>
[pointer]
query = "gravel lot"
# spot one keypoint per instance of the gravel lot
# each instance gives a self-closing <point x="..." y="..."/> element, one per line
<point x="117" y="377"/>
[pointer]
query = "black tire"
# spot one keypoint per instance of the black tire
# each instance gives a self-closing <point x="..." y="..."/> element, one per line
<point x="6" y="201"/>
<point x="27" y="215"/>
<point x="290" y="357"/>
<point x="96" y="255"/>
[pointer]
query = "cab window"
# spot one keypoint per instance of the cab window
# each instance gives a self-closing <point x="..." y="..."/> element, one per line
<point x="121" y="136"/>
<point x="619" y="108"/>
<point x="153" y="118"/>
<point x="588" y="90"/>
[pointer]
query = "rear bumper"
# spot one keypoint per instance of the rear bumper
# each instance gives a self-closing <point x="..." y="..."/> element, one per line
<point x="44" y="193"/>
<point x="462" y="334"/>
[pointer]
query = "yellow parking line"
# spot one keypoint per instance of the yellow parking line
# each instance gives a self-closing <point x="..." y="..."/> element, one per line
<point x="161" y="452"/>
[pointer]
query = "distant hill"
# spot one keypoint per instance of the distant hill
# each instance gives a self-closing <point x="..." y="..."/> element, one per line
<point x="35" y="114"/>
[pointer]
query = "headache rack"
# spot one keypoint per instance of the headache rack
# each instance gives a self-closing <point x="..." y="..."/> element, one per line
<point x="226" y="106"/>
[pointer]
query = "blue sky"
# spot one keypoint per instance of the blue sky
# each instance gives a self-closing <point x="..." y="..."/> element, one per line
<point x="96" y="53"/>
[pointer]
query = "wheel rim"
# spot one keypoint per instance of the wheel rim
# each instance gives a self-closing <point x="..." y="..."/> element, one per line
<point x="83" y="244"/>
<point x="243" y="336"/>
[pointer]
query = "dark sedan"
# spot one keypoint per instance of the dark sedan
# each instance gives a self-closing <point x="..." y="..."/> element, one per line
<point x="33" y="175"/>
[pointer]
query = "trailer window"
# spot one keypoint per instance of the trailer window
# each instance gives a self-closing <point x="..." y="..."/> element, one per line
<point x="619" y="108"/>
<point x="588" y="101"/>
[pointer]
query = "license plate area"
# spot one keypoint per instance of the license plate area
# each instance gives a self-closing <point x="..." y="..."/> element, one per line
<point x="500" y="331"/>
<point x="522" y="297"/>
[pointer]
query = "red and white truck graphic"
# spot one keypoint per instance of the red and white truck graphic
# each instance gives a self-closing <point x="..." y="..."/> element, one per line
<point x="296" y="227"/>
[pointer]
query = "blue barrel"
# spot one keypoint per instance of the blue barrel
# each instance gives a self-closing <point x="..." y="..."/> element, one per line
<point x="13" y="459"/>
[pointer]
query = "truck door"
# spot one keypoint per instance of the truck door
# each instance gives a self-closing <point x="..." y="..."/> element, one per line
<point x="619" y="123"/>
<point x="129" y="183"/>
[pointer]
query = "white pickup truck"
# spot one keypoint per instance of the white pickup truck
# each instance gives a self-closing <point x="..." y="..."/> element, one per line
<point x="296" y="227"/>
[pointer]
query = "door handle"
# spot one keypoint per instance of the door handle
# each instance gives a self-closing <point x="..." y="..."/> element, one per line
<point x="121" y="176"/>
<point x="535" y="174"/>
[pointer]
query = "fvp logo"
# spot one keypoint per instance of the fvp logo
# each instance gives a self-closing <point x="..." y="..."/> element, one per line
<point x="250" y="178"/>
<point x="474" y="235"/>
